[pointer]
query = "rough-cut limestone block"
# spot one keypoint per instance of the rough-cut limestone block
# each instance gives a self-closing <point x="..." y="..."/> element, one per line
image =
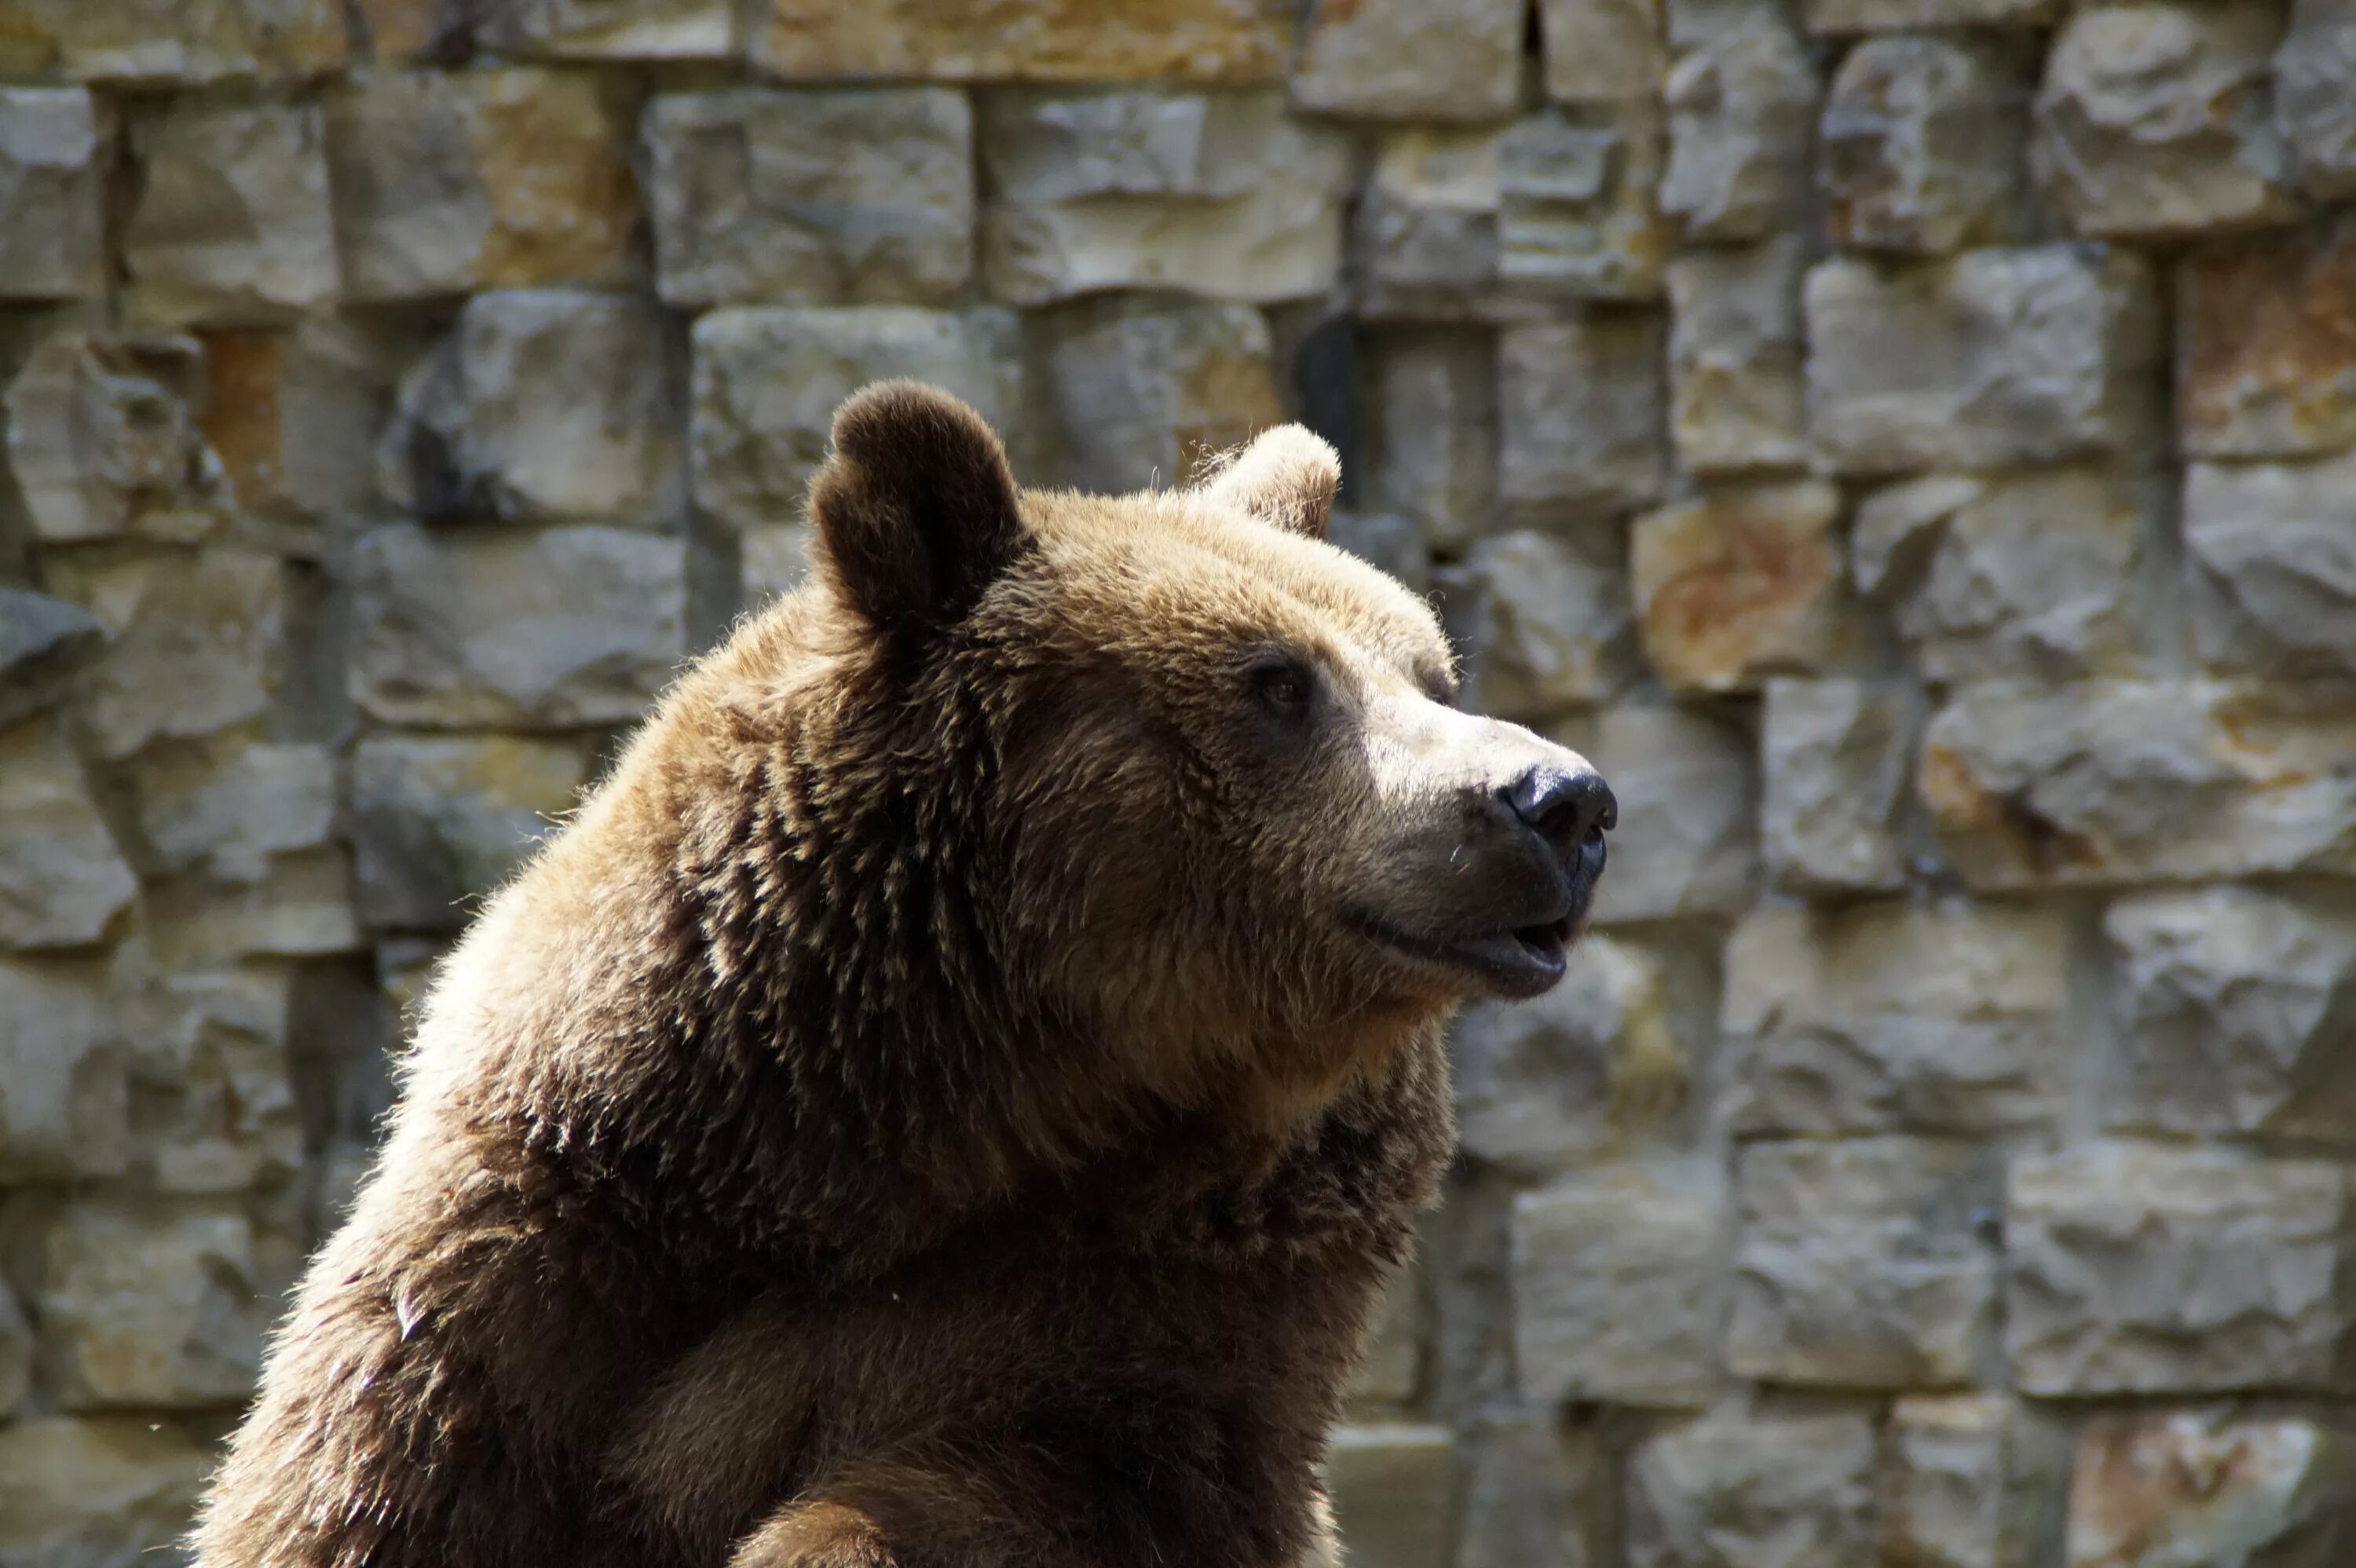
<point x="2150" y="1268"/>
<point x="1619" y="1294"/>
<point x="1922" y="148"/>
<point x="1221" y="195"/>
<point x="1580" y="415"/>
<point x="541" y="404"/>
<point x="1741" y="584"/>
<point x="65" y="1101"/>
<point x="231" y="227"/>
<point x="299" y="906"/>
<point x="2051" y="574"/>
<point x="62" y="880"/>
<point x="105" y="439"/>
<point x="1742" y="110"/>
<point x="446" y="182"/>
<point x="1579" y="203"/>
<point x="211" y="1072"/>
<point x="292" y="417"/>
<point x="1429" y="441"/>
<point x="226" y="804"/>
<point x="2120" y="781"/>
<point x="766" y="383"/>
<point x="1897" y="1016"/>
<point x="1606" y="1063"/>
<point x="108" y="1492"/>
<point x="439" y="821"/>
<point x="1744" y="1489"/>
<point x="1531" y="1489"/>
<point x="605" y="30"/>
<point x="15" y="1354"/>
<point x="1603" y="51"/>
<point x="1900" y="16"/>
<point x="1139" y="391"/>
<point x="2034" y="354"/>
<point x="2272" y="556"/>
<point x="1687" y="843"/>
<point x="1738" y="395"/>
<point x="554" y="629"/>
<point x="55" y="145"/>
<point x="2313" y="108"/>
<point x="1425" y="233"/>
<point x="1548" y="626"/>
<point x="2234" y="1008"/>
<point x="1222" y="41"/>
<point x="811" y="198"/>
<point x="149" y="1306"/>
<point x="173" y="43"/>
<point x="2153" y="121"/>
<point x="1392" y="1488"/>
<point x="1835" y="756"/>
<point x="1969" y="1481"/>
<point x="195" y="643"/>
<point x="2266" y="346"/>
<point x="2159" y="1489"/>
<point x="1412" y="60"/>
<point x="774" y="559"/>
<point x="43" y="641"/>
<point x="1865" y="1263"/>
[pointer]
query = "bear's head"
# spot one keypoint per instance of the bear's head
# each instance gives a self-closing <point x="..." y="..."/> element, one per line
<point x="1204" y="770"/>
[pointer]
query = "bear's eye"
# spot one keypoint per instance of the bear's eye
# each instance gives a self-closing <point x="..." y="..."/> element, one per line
<point x="1283" y="685"/>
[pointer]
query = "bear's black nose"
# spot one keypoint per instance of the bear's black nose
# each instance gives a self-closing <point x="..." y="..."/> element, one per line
<point x="1561" y="806"/>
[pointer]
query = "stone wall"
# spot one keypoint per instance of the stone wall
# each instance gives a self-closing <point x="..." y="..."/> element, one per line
<point x="1910" y="443"/>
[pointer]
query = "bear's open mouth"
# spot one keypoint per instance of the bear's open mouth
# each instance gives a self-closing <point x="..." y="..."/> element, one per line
<point x="1517" y="963"/>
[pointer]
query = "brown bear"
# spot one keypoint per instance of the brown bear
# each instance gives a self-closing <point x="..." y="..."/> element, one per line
<point x="954" y="1092"/>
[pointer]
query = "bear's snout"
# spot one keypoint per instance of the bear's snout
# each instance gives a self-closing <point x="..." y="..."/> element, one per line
<point x="1564" y="806"/>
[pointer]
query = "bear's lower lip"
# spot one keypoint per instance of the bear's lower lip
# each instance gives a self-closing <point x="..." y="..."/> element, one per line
<point x="1516" y="964"/>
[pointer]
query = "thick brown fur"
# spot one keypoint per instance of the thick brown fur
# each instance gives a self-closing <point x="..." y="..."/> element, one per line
<point x="924" y="1109"/>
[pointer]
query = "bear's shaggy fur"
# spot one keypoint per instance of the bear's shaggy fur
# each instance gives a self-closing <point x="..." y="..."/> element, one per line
<point x="933" y="1104"/>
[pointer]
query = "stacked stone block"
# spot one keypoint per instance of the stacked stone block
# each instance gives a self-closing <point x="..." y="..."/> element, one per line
<point x="1910" y="444"/>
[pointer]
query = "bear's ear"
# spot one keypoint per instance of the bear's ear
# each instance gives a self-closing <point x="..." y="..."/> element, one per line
<point x="1287" y="476"/>
<point x="915" y="512"/>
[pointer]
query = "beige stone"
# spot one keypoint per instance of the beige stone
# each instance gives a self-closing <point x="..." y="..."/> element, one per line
<point x="1426" y="233"/>
<point x="766" y="383"/>
<point x="105" y="439"/>
<point x="1430" y="447"/>
<point x="517" y="177"/>
<point x="175" y="43"/>
<point x="232" y="226"/>
<point x="1892" y="15"/>
<point x="1741" y="108"/>
<point x="1743" y="585"/>
<point x="292" y="417"/>
<point x="2159" y="1489"/>
<point x="1865" y="1263"/>
<point x="554" y="629"/>
<point x="62" y="880"/>
<point x="2266" y="346"/>
<point x="43" y="641"/>
<point x="211" y="1072"/>
<point x="2153" y="121"/>
<point x="55" y="143"/>
<point x="1969" y="1481"/>
<point x="1579" y="203"/>
<point x="1835" y="757"/>
<point x="2116" y="781"/>
<point x="65" y="1099"/>
<point x="1222" y="41"/>
<point x="612" y="29"/>
<point x="1224" y="196"/>
<point x="1412" y="60"/>
<point x="148" y="1305"/>
<point x="1393" y="1488"/>
<point x="2273" y="567"/>
<point x="2148" y="1268"/>
<point x="1922" y="147"/>
<point x="1606" y="1064"/>
<point x="1390" y="1362"/>
<point x="195" y="643"/>
<point x="1687" y="843"/>
<point x="811" y="198"/>
<point x="1619" y="1293"/>
<point x="774" y="559"/>
<point x="1549" y="625"/>
<point x="107" y="1492"/>
<point x="1604" y="50"/>
<point x="1745" y="1488"/>
<point x="1137" y="393"/>
<point x="1889" y="1015"/>
<point x="300" y="906"/>
<point x="1580" y="415"/>
<point x="1532" y="1486"/>
<point x="438" y="821"/>
<point x="1738" y="400"/>
<point x="226" y="804"/>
